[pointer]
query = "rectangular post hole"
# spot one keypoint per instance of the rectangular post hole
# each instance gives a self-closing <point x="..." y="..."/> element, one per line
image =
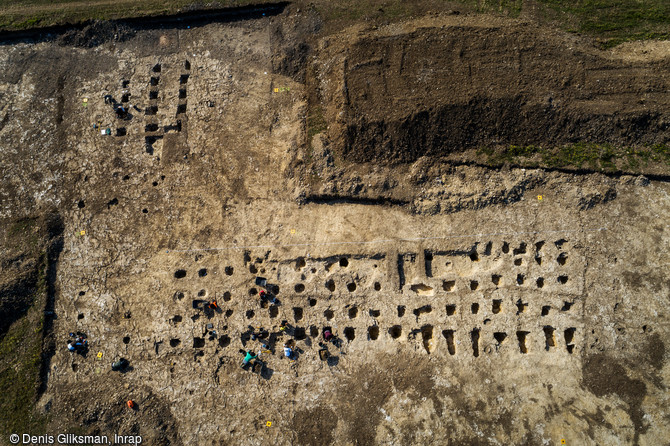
<point x="428" y="263"/>
<point x="449" y="336"/>
<point x="521" y="336"/>
<point x="474" y="334"/>
<point x="569" y="335"/>
<point x="401" y="270"/>
<point x="549" y="337"/>
<point x="495" y="308"/>
<point x="373" y="332"/>
<point x="427" y="336"/>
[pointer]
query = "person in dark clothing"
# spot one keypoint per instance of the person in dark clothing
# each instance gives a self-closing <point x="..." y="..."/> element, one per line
<point x="266" y="296"/>
<point x="120" y="365"/>
<point x="79" y="344"/>
<point x="121" y="112"/>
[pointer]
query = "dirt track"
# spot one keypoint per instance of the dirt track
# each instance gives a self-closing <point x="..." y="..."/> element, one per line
<point x="475" y="306"/>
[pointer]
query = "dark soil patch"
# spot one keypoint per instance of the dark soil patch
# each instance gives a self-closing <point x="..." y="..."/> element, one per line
<point x="603" y="375"/>
<point x="315" y="427"/>
<point x="100" y="408"/>
<point x="654" y="351"/>
<point x="96" y="34"/>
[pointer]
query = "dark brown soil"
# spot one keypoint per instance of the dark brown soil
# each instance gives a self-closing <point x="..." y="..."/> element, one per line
<point x="151" y="417"/>
<point x="314" y="427"/>
<point x="604" y="376"/>
<point x="442" y="89"/>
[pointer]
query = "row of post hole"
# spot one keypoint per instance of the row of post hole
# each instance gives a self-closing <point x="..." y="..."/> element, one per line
<point x="426" y="333"/>
<point x="352" y="311"/>
<point x="496" y="279"/>
<point x="152" y="108"/>
<point x="473" y="254"/>
<point x="155" y="79"/>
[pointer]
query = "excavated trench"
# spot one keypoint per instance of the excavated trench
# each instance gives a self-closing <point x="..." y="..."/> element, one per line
<point x="438" y="91"/>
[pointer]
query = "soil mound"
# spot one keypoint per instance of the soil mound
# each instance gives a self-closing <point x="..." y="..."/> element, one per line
<point x="97" y="33"/>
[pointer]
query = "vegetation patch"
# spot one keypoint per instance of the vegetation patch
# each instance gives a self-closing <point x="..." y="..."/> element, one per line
<point x="613" y="21"/>
<point x="20" y="361"/>
<point x="24" y="235"/>
<point x="28" y="14"/>
<point x="591" y="156"/>
<point x="21" y="341"/>
<point x="505" y="7"/>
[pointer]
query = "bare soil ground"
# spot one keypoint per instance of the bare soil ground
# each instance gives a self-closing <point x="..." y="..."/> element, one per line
<point x="473" y="305"/>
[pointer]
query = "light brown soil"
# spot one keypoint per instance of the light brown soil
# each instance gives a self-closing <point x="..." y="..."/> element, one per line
<point x="493" y="346"/>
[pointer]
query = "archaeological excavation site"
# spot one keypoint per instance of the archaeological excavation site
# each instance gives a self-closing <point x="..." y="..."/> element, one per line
<point x="262" y="225"/>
